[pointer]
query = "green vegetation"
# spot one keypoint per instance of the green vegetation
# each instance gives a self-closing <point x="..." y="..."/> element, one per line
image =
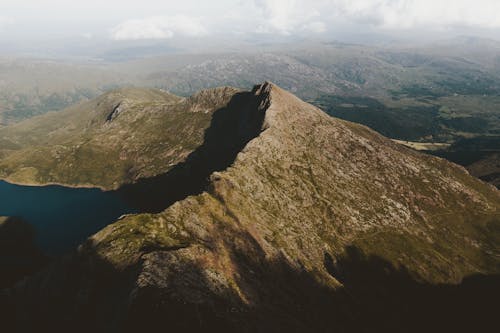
<point x="118" y="138"/>
<point x="406" y="123"/>
<point x="440" y="120"/>
<point x="416" y="91"/>
<point x="136" y="234"/>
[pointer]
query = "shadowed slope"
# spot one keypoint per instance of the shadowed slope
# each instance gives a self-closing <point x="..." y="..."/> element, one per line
<point x="89" y="294"/>
<point x="389" y="299"/>
<point x="19" y="255"/>
<point x="231" y="128"/>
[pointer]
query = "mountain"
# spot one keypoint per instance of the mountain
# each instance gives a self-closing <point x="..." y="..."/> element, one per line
<point x="118" y="138"/>
<point x="305" y="223"/>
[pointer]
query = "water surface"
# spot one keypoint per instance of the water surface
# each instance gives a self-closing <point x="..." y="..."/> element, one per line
<point x="63" y="217"/>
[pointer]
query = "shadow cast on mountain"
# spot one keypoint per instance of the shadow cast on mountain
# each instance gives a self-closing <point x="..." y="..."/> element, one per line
<point x="278" y="297"/>
<point x="19" y="258"/>
<point x="231" y="128"/>
<point x="19" y="254"/>
<point x="376" y="296"/>
<point x="390" y="299"/>
<point x="88" y="294"/>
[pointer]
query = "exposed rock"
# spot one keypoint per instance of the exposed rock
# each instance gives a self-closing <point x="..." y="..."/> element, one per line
<point x="116" y="111"/>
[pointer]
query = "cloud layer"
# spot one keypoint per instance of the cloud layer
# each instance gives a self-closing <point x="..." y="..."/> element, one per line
<point x="5" y="21"/>
<point x="294" y="16"/>
<point x="158" y="27"/>
<point x="153" y="19"/>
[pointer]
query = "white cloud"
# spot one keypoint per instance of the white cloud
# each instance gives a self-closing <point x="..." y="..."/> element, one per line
<point x="166" y="19"/>
<point x="397" y="14"/>
<point x="5" y="21"/>
<point x="278" y="15"/>
<point x="158" y="27"/>
<point x="87" y="35"/>
<point x="317" y="16"/>
<point x="315" y="27"/>
<point x="288" y="16"/>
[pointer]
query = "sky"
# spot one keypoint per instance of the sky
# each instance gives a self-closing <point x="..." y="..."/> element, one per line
<point x="127" y="20"/>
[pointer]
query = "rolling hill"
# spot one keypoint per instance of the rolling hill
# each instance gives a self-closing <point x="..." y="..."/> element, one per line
<point x="118" y="138"/>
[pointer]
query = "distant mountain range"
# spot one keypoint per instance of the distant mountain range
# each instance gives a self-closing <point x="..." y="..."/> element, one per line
<point x="443" y="92"/>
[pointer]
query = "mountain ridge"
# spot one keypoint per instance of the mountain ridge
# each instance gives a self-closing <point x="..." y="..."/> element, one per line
<point x="284" y="233"/>
<point x="102" y="131"/>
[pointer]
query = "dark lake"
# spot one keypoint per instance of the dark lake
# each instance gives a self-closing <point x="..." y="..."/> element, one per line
<point x="62" y="217"/>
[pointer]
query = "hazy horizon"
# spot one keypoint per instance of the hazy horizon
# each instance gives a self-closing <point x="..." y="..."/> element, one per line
<point x="32" y="27"/>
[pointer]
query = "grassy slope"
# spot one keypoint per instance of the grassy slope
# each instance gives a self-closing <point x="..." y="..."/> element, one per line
<point x="80" y="146"/>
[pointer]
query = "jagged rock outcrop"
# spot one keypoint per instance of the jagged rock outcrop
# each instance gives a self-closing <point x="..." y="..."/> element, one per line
<point x="317" y="225"/>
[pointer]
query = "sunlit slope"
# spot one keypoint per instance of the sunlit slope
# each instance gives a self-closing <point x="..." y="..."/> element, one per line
<point x="118" y="138"/>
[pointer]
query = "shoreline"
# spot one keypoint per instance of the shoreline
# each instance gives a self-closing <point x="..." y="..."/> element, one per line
<point x="33" y="184"/>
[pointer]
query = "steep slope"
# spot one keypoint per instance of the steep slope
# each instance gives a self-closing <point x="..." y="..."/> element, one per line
<point x="118" y="138"/>
<point x="318" y="224"/>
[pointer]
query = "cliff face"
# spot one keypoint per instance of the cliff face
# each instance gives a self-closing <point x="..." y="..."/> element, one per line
<point x="310" y="224"/>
